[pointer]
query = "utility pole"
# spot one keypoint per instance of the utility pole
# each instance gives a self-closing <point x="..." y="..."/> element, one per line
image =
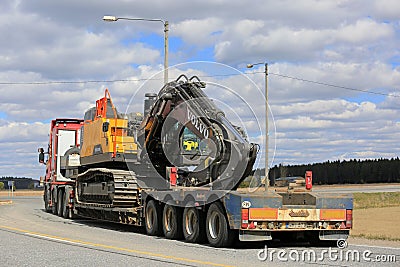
<point x="266" y="121"/>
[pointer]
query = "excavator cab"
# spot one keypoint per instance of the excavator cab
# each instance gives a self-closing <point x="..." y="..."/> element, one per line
<point x="190" y="142"/>
<point x="105" y="138"/>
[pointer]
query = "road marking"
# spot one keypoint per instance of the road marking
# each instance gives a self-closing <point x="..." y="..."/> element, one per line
<point x="53" y="239"/>
<point x="80" y="242"/>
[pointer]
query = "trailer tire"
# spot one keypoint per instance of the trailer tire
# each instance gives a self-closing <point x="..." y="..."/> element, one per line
<point x="65" y="208"/>
<point x="47" y="207"/>
<point x="218" y="232"/>
<point x="152" y="218"/>
<point x="60" y="203"/>
<point x="172" y="218"/>
<point x="193" y="225"/>
<point x="53" y="204"/>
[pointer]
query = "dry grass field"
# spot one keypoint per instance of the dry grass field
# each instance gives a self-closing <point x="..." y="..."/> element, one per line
<point x="6" y="193"/>
<point x="377" y="223"/>
<point x="377" y="216"/>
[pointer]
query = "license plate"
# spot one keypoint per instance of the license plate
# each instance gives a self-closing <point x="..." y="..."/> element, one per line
<point x="298" y="225"/>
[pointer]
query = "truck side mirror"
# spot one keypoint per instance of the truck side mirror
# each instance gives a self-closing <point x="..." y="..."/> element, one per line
<point x="106" y="125"/>
<point x="41" y="155"/>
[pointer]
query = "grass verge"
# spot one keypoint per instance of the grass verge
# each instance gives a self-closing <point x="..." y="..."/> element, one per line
<point x="376" y="237"/>
<point x="376" y="200"/>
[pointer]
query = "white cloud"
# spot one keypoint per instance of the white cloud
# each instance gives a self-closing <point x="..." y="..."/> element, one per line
<point x="364" y="31"/>
<point x="198" y="32"/>
<point x="22" y="132"/>
<point x="63" y="52"/>
<point x="352" y="44"/>
<point x="291" y="42"/>
<point x="335" y="129"/>
<point x="386" y="9"/>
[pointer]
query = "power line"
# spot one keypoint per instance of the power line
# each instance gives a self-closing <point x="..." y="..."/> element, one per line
<point x="217" y="75"/>
<point x="332" y="85"/>
<point x="75" y="82"/>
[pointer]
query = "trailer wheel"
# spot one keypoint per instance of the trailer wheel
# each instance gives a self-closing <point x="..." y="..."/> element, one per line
<point x="217" y="228"/>
<point x="60" y="203"/>
<point x="65" y="208"/>
<point x="193" y="225"/>
<point x="172" y="218"/>
<point x="47" y="207"/>
<point x="53" y="204"/>
<point x="152" y="218"/>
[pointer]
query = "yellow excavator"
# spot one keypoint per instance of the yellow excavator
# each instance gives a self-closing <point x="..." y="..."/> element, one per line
<point x="105" y="134"/>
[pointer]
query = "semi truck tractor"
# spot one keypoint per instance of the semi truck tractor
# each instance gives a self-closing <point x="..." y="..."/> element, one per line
<point x="175" y="170"/>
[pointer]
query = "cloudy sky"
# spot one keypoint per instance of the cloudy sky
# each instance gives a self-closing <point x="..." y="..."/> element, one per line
<point x="57" y="57"/>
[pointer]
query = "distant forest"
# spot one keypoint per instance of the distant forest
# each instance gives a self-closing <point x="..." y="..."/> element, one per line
<point x="344" y="172"/>
<point x="19" y="182"/>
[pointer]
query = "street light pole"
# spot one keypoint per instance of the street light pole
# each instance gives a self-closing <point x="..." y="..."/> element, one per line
<point x="266" y="121"/>
<point x="166" y="29"/>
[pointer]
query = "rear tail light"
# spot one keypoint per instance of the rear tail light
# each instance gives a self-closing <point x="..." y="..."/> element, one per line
<point x="173" y="176"/>
<point x="252" y="225"/>
<point x="245" y="218"/>
<point x="308" y="180"/>
<point x="349" y="218"/>
<point x="71" y="197"/>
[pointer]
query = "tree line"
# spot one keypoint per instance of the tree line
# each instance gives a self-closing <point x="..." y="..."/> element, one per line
<point x="352" y="171"/>
<point x="19" y="182"/>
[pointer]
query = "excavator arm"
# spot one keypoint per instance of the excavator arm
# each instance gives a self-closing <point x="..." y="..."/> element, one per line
<point x="185" y="129"/>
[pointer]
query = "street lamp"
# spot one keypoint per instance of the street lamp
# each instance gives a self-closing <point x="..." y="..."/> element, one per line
<point x="165" y="22"/>
<point x="266" y="120"/>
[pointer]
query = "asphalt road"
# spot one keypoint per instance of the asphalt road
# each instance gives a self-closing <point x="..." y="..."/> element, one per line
<point x="368" y="188"/>
<point x="31" y="237"/>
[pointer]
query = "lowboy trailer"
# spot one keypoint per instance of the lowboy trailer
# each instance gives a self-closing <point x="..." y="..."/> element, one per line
<point x="133" y="170"/>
